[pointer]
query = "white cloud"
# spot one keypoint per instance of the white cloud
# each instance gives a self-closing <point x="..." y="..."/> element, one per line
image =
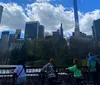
<point x="14" y="17"/>
<point x="86" y="20"/>
<point x="51" y="16"/>
<point x="43" y="1"/>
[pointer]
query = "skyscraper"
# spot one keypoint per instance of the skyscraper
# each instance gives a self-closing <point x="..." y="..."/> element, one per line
<point x="11" y="38"/>
<point x="93" y="32"/>
<point x="41" y="32"/>
<point x="4" y="41"/>
<point x="31" y="29"/>
<point x="1" y="10"/>
<point x="61" y="31"/>
<point x="77" y="31"/>
<point x="56" y="34"/>
<point x="18" y="33"/>
<point x="96" y="29"/>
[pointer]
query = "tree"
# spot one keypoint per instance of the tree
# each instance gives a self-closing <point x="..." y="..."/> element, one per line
<point x="45" y="49"/>
<point x="19" y="53"/>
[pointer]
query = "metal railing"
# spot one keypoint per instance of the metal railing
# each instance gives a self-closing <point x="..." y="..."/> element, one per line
<point x="32" y="74"/>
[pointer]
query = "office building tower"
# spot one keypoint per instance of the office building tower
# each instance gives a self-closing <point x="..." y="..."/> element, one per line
<point x="41" y="32"/>
<point x="11" y="38"/>
<point x="61" y="31"/>
<point x="77" y="30"/>
<point x="56" y="34"/>
<point x="31" y="30"/>
<point x="4" y="41"/>
<point x="1" y="10"/>
<point x="93" y="33"/>
<point x="96" y="29"/>
<point x="18" y="33"/>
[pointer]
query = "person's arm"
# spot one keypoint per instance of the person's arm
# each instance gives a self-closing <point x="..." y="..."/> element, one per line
<point x="15" y="73"/>
<point x="44" y="68"/>
<point x="72" y="68"/>
<point x="17" y="69"/>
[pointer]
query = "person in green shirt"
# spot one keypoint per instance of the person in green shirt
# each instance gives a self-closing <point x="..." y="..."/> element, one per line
<point x="76" y="70"/>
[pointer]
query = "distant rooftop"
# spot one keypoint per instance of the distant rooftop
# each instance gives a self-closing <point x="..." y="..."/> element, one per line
<point x="33" y="22"/>
<point x="1" y="6"/>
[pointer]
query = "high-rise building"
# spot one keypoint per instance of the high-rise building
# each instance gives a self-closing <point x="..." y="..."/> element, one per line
<point x="61" y="31"/>
<point x="31" y="29"/>
<point x="96" y="29"/>
<point x="77" y="30"/>
<point x="1" y="10"/>
<point x="18" y="33"/>
<point x="56" y="34"/>
<point x="93" y="33"/>
<point x="11" y="38"/>
<point x="4" y="41"/>
<point x="41" y="32"/>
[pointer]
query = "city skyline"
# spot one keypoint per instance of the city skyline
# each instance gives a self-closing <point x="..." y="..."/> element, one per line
<point x="22" y="35"/>
<point x="56" y="14"/>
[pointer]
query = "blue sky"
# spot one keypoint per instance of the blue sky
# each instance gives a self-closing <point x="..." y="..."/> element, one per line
<point x="83" y="5"/>
<point x="52" y="11"/>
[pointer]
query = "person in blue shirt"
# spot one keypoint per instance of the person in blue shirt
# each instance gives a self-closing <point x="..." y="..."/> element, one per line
<point x="19" y="73"/>
<point x="92" y="67"/>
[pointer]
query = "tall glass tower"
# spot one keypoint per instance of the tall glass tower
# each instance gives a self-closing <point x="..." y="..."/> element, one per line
<point x="77" y="30"/>
<point x="61" y="31"/>
<point x="1" y="10"/>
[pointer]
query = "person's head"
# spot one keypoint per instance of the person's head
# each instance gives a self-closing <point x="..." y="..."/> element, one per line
<point x="90" y="54"/>
<point x="52" y="60"/>
<point x="76" y="62"/>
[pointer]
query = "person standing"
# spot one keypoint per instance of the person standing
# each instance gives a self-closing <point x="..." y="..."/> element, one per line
<point x="92" y="68"/>
<point x="19" y="73"/>
<point x="51" y="71"/>
<point x="77" y="71"/>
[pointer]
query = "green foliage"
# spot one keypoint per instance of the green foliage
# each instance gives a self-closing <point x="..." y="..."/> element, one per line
<point x="84" y="62"/>
<point x="40" y="62"/>
<point x="49" y="48"/>
<point x="17" y="54"/>
<point x="38" y="52"/>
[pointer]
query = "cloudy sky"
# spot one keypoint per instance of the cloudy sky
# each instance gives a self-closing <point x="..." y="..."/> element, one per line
<point x="50" y="13"/>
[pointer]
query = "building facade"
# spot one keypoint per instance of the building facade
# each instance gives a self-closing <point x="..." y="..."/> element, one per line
<point x="1" y="10"/>
<point x="18" y="33"/>
<point x="4" y="41"/>
<point x="76" y="30"/>
<point x="96" y="29"/>
<point x="61" y="31"/>
<point x="41" y="32"/>
<point x="56" y="34"/>
<point x="31" y="29"/>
